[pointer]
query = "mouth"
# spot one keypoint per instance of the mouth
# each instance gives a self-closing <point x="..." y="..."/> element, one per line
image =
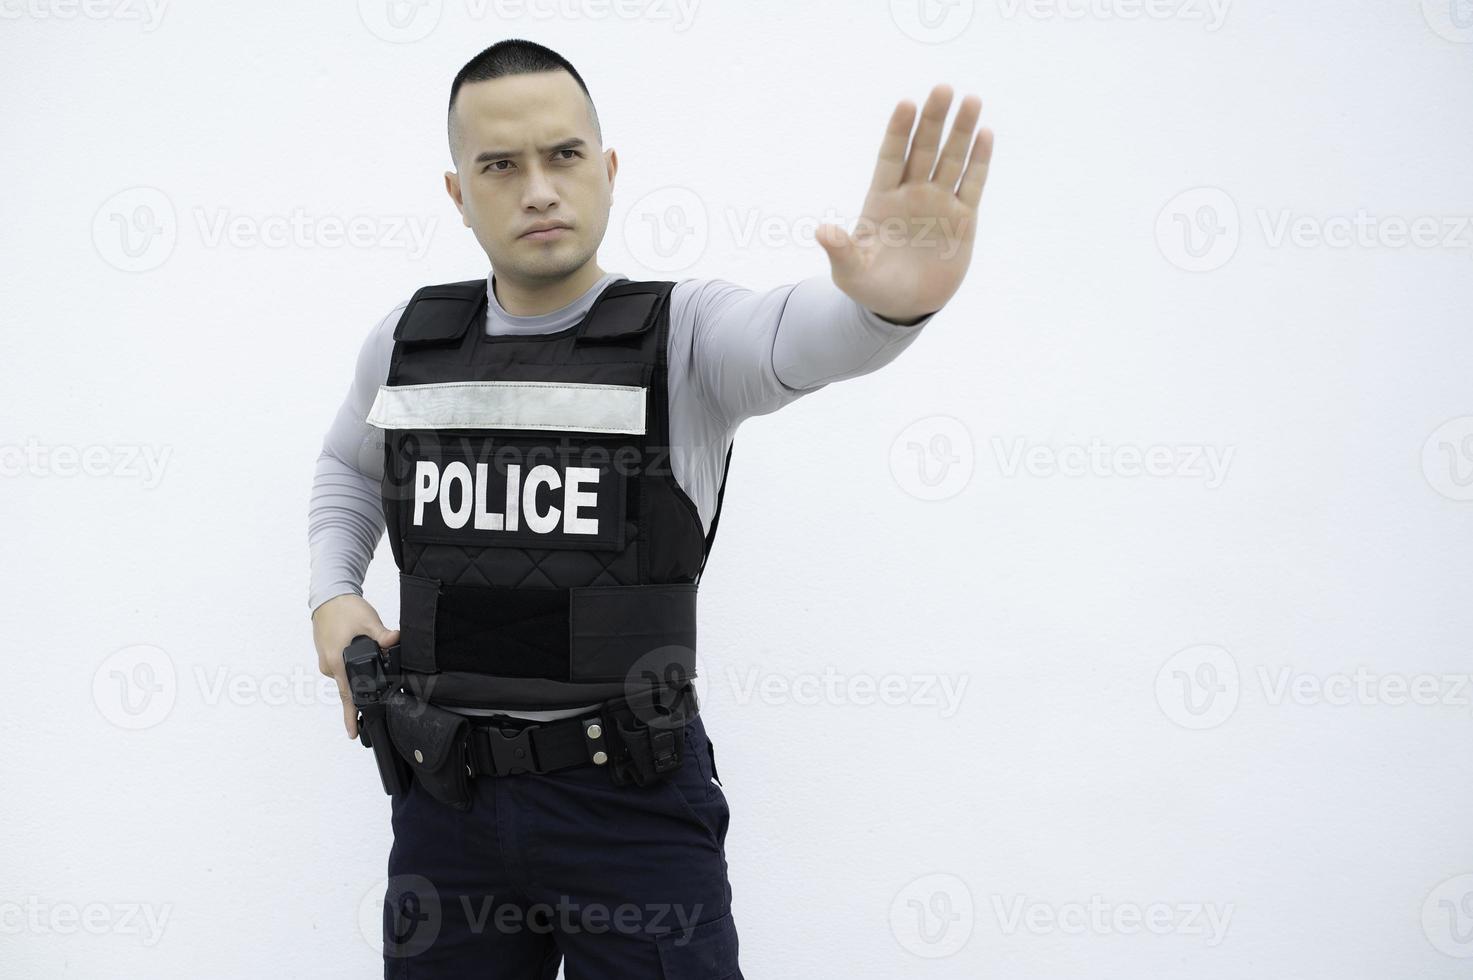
<point x="545" y="234"/>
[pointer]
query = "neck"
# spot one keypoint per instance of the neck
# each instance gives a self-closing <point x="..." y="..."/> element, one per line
<point x="533" y="297"/>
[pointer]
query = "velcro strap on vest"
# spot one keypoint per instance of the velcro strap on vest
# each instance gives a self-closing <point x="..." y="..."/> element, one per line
<point x="586" y="634"/>
<point x="623" y="311"/>
<point x="439" y="314"/>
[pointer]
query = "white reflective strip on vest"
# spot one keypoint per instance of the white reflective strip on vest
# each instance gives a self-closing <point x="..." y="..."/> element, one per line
<point x="558" y="406"/>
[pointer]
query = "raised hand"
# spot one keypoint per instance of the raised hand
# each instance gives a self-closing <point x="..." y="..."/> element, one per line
<point x="910" y="249"/>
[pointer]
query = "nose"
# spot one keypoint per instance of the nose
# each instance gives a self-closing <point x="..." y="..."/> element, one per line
<point x="538" y="194"/>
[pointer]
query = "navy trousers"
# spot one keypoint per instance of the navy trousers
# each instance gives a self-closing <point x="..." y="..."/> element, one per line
<point x="624" y="882"/>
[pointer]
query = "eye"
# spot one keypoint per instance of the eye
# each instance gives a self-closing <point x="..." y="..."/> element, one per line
<point x="573" y="154"/>
<point x="496" y="165"/>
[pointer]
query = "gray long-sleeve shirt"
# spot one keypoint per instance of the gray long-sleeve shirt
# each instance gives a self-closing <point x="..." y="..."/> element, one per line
<point x="733" y="353"/>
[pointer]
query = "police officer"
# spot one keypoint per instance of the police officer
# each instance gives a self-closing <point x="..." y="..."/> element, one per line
<point x="547" y="449"/>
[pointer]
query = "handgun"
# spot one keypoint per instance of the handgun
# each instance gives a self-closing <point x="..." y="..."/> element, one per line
<point x="369" y="671"/>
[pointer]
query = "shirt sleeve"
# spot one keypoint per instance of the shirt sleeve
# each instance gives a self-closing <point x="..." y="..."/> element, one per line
<point x="345" y="518"/>
<point x="753" y="352"/>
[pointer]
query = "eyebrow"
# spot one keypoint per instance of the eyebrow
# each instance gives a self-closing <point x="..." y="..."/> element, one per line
<point x="487" y="156"/>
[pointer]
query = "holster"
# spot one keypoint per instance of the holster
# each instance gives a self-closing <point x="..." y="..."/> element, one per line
<point x="432" y="741"/>
<point x="371" y="672"/>
<point x="647" y="733"/>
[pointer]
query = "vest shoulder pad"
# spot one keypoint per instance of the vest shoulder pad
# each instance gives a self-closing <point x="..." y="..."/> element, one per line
<point x="441" y="313"/>
<point x="624" y="310"/>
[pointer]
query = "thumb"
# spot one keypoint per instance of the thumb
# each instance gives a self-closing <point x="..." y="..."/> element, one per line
<point x="385" y="637"/>
<point x="839" y="246"/>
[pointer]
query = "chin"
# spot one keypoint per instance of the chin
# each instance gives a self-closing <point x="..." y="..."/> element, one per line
<point x="542" y="262"/>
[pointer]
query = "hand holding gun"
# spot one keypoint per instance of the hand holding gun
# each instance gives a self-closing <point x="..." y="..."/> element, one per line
<point x="370" y="671"/>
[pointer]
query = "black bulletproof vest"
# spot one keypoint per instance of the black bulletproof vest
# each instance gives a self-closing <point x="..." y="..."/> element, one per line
<point x="547" y="556"/>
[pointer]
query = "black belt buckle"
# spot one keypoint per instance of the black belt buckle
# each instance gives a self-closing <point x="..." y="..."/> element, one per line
<point x="511" y="753"/>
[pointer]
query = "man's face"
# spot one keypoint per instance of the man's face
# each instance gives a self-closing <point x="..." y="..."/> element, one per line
<point x="527" y="157"/>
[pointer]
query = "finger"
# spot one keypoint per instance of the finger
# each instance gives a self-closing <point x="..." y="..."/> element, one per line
<point x="928" y="135"/>
<point x="839" y="247"/>
<point x="954" y="153"/>
<point x="350" y="711"/>
<point x="891" y="163"/>
<point x="975" y="178"/>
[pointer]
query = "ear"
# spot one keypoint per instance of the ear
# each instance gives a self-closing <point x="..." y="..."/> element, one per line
<point x="611" y="164"/>
<point x="452" y="187"/>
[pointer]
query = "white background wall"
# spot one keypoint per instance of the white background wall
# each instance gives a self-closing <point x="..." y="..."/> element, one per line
<point x="1181" y="695"/>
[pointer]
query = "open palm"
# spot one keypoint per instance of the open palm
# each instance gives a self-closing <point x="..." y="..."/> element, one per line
<point x="910" y="249"/>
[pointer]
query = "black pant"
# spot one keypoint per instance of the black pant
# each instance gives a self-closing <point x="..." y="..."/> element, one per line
<point x="627" y="882"/>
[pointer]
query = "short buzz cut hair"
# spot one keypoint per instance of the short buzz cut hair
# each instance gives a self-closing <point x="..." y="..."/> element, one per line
<point x="513" y="56"/>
